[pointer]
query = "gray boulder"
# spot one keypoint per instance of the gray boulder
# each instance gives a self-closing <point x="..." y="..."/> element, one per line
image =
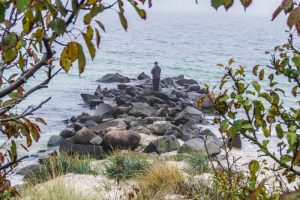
<point x="104" y="110"/>
<point x="183" y="82"/>
<point x="143" y="76"/>
<point x="84" y="136"/>
<point x="140" y="109"/>
<point x="94" y="151"/>
<point x="168" y="82"/>
<point x="111" y="78"/>
<point x="189" y="113"/>
<point x="91" y="100"/>
<point x="67" y="133"/>
<point x="97" y="140"/>
<point x="160" y="127"/>
<point x="142" y="129"/>
<point x="101" y="129"/>
<point x="198" y="145"/>
<point x="122" y="139"/>
<point x="163" y="145"/>
<point x="55" y="140"/>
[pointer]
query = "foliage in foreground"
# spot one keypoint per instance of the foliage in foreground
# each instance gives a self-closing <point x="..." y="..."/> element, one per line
<point x="125" y="165"/>
<point x="58" y="165"/>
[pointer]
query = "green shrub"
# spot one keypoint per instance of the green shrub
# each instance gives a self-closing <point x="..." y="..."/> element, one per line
<point x="59" y="165"/>
<point x="126" y="165"/>
<point x="199" y="163"/>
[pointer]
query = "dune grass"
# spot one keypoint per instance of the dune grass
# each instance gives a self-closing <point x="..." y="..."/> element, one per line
<point x="125" y="165"/>
<point x="199" y="163"/>
<point x="54" y="190"/>
<point x="58" y="165"/>
<point x="160" y="179"/>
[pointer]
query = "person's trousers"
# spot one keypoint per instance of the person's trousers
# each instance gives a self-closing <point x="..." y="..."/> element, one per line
<point x="156" y="84"/>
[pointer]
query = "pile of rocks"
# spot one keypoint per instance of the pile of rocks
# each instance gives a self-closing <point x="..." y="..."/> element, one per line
<point x="127" y="116"/>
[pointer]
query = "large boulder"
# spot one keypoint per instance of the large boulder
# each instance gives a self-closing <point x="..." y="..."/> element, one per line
<point x="198" y="145"/>
<point x="163" y="145"/>
<point x="122" y="139"/>
<point x="195" y="88"/>
<point x="168" y="82"/>
<point x="140" y="109"/>
<point x="111" y="78"/>
<point x="104" y="110"/>
<point x="94" y="151"/>
<point x="160" y="127"/>
<point x="184" y="82"/>
<point x="97" y="140"/>
<point x="101" y="129"/>
<point x="67" y="133"/>
<point x="143" y="76"/>
<point x="189" y="113"/>
<point x="84" y="136"/>
<point x="56" y="140"/>
<point x="91" y="100"/>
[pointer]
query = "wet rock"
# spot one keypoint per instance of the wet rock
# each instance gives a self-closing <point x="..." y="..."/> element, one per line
<point x="89" y="123"/>
<point x="151" y="100"/>
<point x="198" y="145"/>
<point x="163" y="145"/>
<point x="195" y="88"/>
<point x="77" y="126"/>
<point x="143" y="76"/>
<point x="84" y="136"/>
<point x="55" y="140"/>
<point x="97" y="140"/>
<point x="98" y="91"/>
<point x="122" y="139"/>
<point x="111" y="78"/>
<point x="176" y="133"/>
<point x="180" y="77"/>
<point x="237" y="142"/>
<point x="67" y="133"/>
<point x="140" y="109"/>
<point x="122" y="86"/>
<point x="189" y="113"/>
<point x="150" y="120"/>
<point x="169" y="82"/>
<point x="183" y="82"/>
<point x="91" y="100"/>
<point x="94" y="151"/>
<point x="104" y="110"/>
<point x="100" y="129"/>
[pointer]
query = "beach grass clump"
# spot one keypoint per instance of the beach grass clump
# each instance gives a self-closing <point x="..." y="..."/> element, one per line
<point x="58" y="165"/>
<point x="160" y="179"/>
<point x="199" y="163"/>
<point x="125" y="165"/>
<point x="54" y="190"/>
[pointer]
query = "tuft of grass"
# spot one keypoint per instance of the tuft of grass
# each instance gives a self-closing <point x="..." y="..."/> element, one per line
<point x="125" y="165"/>
<point x="160" y="179"/>
<point x="54" y="190"/>
<point x="199" y="163"/>
<point x="58" y="165"/>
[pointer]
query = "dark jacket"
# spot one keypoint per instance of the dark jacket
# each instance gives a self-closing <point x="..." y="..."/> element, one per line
<point x="156" y="72"/>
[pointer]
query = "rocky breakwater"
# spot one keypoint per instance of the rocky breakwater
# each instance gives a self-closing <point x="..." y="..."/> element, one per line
<point x="132" y="116"/>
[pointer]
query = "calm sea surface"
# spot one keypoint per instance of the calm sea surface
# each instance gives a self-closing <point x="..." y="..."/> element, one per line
<point x="189" y="43"/>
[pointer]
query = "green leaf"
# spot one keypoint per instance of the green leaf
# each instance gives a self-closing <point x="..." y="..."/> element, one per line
<point x="81" y="59"/>
<point x="236" y="127"/>
<point x="246" y="3"/>
<point x="87" y="18"/>
<point x="72" y="51"/>
<point x="279" y="131"/>
<point x="58" y="26"/>
<point x="89" y="45"/>
<point x="292" y="138"/>
<point x="28" y="21"/>
<point x="61" y="8"/>
<point x="22" y="4"/>
<point x="266" y="96"/>
<point x="2" y="12"/>
<point x="254" y="167"/>
<point x="286" y="158"/>
<point x="216" y="3"/>
<point x="247" y="126"/>
<point x="256" y="86"/>
<point x="294" y="17"/>
<point x="123" y="21"/>
<point x="227" y="3"/>
<point x="266" y="132"/>
<point x="261" y="74"/>
<point x="65" y="62"/>
<point x="39" y="34"/>
<point x="13" y="150"/>
<point x="141" y="12"/>
<point x="101" y="25"/>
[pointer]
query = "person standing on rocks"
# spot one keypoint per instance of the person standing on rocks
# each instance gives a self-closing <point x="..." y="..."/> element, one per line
<point x="156" y="70"/>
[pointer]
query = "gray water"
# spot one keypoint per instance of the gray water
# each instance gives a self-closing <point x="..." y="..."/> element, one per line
<point x="189" y="43"/>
